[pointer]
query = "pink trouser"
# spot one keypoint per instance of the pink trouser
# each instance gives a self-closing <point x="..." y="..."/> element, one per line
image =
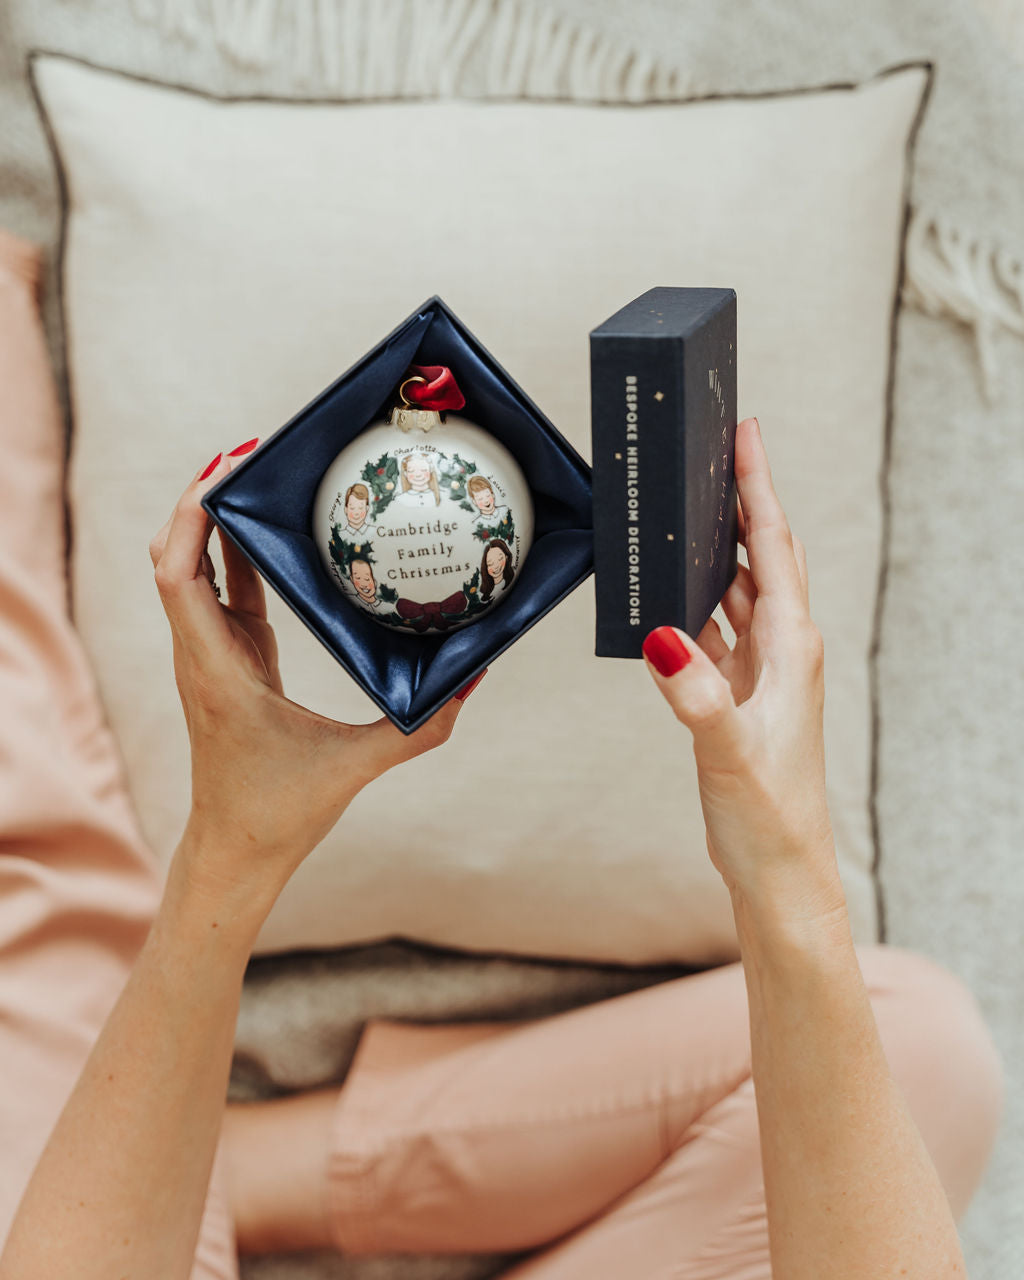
<point x="616" y="1141"/>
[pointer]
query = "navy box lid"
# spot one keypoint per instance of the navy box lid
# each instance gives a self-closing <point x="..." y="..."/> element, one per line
<point x="265" y="506"/>
<point x="663" y="429"/>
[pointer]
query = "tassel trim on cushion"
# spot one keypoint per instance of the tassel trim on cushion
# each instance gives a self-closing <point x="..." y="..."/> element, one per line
<point x="412" y="48"/>
<point x="961" y="277"/>
<point x="367" y="49"/>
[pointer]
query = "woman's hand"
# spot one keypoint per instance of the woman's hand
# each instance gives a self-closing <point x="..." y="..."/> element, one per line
<point x="849" y="1187"/>
<point x="269" y="777"/>
<point x="755" y="710"/>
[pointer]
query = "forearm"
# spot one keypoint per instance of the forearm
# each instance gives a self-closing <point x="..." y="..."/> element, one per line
<point x="120" y="1187"/>
<point x="851" y="1190"/>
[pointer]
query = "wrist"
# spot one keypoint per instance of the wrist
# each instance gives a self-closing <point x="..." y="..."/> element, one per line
<point x="206" y="895"/>
<point x="794" y="914"/>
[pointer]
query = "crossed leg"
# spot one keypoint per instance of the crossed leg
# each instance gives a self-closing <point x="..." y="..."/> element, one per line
<point x="615" y="1140"/>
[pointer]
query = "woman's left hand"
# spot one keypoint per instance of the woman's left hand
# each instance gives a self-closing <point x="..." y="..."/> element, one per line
<point x="270" y="778"/>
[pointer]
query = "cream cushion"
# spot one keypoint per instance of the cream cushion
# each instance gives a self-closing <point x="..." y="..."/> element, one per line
<point x="224" y="261"/>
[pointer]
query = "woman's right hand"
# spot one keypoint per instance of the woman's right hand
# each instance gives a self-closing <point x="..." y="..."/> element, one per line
<point x="270" y="777"/>
<point x="755" y="711"/>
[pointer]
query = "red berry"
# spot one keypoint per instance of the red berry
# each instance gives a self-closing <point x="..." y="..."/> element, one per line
<point x="380" y="471"/>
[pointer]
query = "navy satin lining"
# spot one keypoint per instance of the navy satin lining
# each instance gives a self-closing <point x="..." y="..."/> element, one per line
<point x="266" y="504"/>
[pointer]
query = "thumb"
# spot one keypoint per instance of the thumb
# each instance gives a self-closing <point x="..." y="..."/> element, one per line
<point x="699" y="695"/>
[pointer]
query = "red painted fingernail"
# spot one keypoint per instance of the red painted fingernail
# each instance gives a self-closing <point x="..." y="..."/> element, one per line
<point x="210" y="468"/>
<point x="467" y="689"/>
<point x="666" y="651"/>
<point x="245" y="448"/>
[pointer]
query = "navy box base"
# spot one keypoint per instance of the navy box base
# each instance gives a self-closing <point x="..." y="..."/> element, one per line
<point x="265" y="506"/>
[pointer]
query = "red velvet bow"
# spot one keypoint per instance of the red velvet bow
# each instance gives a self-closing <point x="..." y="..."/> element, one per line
<point x="440" y="391"/>
<point x="432" y="613"/>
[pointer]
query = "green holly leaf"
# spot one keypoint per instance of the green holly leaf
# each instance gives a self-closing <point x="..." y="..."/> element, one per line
<point x="377" y="476"/>
<point x="342" y="551"/>
<point x="505" y="529"/>
<point x="453" y="472"/>
<point x="472" y="590"/>
<point x="336" y="547"/>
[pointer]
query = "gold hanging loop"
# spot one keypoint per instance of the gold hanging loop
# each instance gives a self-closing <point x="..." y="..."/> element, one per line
<point x="416" y="377"/>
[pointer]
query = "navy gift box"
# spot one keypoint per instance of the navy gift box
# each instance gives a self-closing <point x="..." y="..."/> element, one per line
<point x="663" y="427"/>
<point x="265" y="506"/>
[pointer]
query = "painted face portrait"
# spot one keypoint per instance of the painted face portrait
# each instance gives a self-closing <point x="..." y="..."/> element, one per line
<point x="483" y="496"/>
<point x="495" y="568"/>
<point x="362" y="579"/>
<point x="496" y="560"/>
<point x="417" y="470"/>
<point x="355" y="510"/>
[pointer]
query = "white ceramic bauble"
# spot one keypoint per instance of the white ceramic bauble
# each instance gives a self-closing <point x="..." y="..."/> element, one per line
<point x="423" y="522"/>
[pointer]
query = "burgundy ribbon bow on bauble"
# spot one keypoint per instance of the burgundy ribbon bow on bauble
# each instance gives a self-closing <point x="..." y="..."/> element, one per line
<point x="431" y="614"/>
<point x="440" y="391"/>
